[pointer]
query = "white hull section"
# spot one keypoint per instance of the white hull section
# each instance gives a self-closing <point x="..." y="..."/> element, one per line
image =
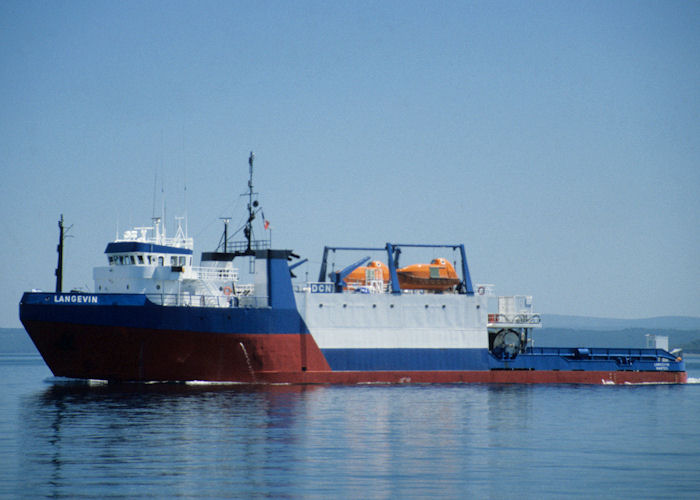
<point x="365" y="321"/>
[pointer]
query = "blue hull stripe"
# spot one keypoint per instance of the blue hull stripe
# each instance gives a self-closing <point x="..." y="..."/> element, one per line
<point x="400" y="359"/>
<point x="134" y="311"/>
<point x="407" y="359"/>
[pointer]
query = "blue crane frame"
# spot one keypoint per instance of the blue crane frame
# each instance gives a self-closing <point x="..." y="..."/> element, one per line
<point x="393" y="251"/>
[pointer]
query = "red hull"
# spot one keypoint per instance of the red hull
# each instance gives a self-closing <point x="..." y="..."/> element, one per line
<point x="114" y="353"/>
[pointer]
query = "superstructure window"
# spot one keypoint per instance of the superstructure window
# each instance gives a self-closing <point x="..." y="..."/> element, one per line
<point x="160" y="260"/>
<point x="140" y="259"/>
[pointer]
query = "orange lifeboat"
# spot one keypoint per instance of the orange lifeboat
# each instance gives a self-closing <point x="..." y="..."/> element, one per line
<point x="439" y="275"/>
<point x="364" y="275"/>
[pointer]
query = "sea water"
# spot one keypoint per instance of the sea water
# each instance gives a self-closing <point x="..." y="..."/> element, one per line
<point x="64" y="439"/>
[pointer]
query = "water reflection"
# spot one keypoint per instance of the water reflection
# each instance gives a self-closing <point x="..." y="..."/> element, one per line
<point x="355" y="441"/>
<point x="263" y="440"/>
<point x="187" y="439"/>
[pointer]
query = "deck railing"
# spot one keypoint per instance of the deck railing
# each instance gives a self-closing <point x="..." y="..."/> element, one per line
<point x="620" y="355"/>
<point x="216" y="273"/>
<point x="524" y="319"/>
<point x="188" y="300"/>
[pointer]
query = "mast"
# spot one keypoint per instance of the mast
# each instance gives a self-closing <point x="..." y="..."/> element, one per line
<point x="226" y="221"/>
<point x="248" y="231"/>
<point x="59" y="268"/>
<point x="247" y="247"/>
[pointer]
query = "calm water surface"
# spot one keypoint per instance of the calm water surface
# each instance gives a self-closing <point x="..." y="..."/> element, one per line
<point x="72" y="440"/>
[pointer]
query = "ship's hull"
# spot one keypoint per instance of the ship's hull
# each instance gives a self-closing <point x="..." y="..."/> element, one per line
<point x="133" y="354"/>
<point x="139" y="354"/>
<point x="127" y="338"/>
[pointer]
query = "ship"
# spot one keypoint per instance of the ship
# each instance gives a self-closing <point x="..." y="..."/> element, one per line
<point x="156" y="316"/>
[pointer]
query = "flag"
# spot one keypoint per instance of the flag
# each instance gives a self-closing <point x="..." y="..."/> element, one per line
<point x="267" y="224"/>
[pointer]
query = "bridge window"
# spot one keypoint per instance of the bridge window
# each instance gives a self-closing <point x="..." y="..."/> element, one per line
<point x="140" y="259"/>
<point x="160" y="260"/>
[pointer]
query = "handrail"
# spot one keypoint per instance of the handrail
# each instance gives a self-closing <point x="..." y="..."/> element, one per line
<point x="519" y="318"/>
<point x="176" y="241"/>
<point x="616" y="353"/>
<point x="187" y="300"/>
<point x="240" y="246"/>
<point x="216" y="273"/>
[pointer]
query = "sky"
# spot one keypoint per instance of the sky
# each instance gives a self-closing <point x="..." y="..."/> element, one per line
<point x="559" y="140"/>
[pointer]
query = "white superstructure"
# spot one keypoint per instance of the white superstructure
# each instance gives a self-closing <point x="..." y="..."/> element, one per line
<point x="145" y="261"/>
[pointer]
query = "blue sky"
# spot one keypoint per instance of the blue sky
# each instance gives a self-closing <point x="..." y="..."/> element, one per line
<point x="557" y="140"/>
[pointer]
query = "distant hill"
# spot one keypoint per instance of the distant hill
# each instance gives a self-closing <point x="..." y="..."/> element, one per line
<point x="588" y="323"/>
<point x="572" y="331"/>
<point x="688" y="340"/>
